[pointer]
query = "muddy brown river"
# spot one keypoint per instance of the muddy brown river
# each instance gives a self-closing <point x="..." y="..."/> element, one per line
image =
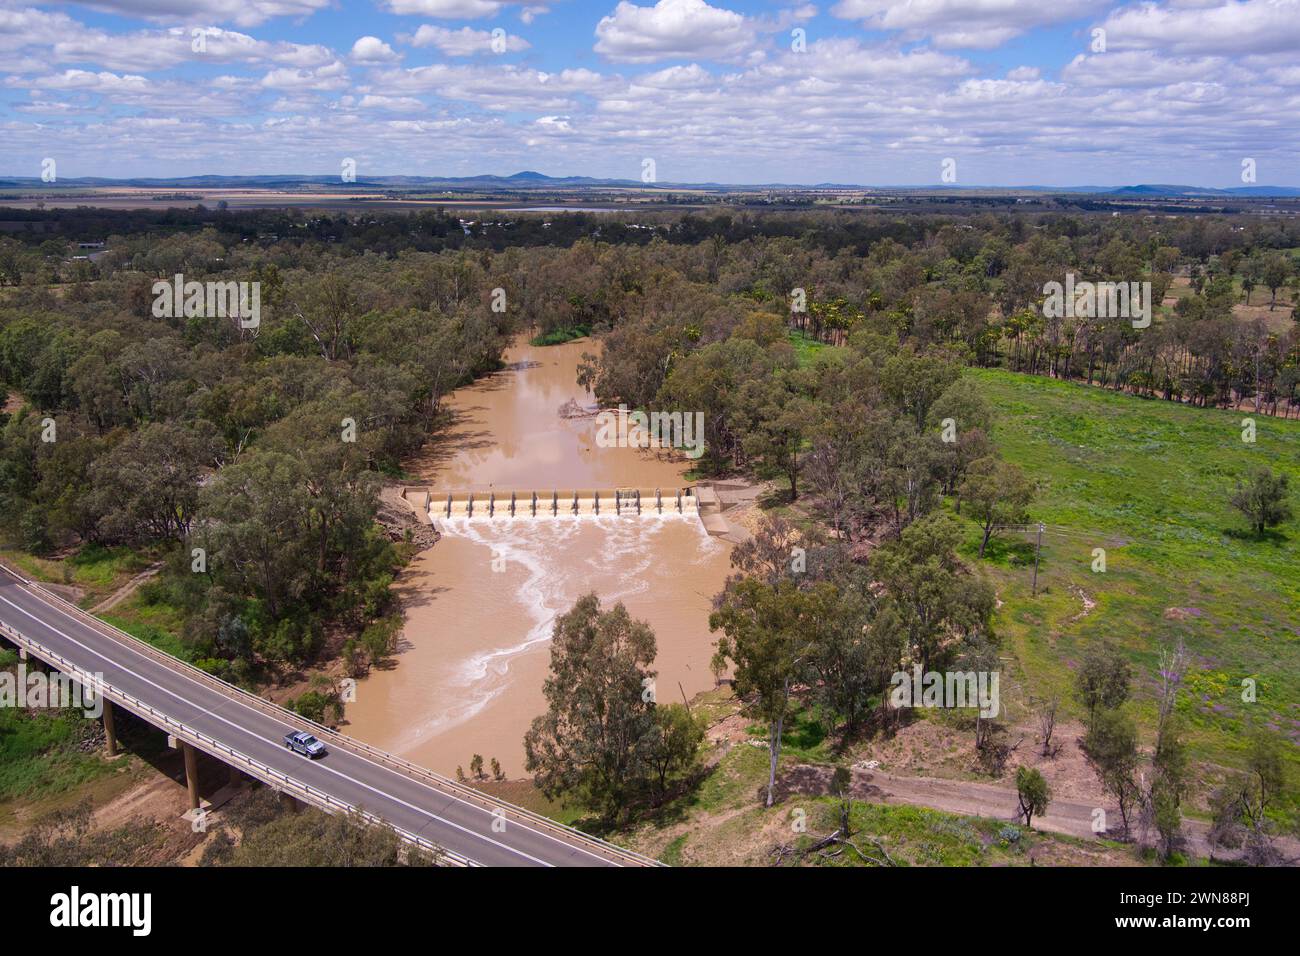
<point x="480" y="605"/>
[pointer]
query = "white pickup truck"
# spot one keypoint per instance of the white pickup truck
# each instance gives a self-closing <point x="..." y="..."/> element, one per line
<point x="304" y="743"/>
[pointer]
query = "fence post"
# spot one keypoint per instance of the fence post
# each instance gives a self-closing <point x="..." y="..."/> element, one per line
<point x="1037" y="551"/>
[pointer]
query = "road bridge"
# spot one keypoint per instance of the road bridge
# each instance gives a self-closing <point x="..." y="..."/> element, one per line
<point x="205" y="714"/>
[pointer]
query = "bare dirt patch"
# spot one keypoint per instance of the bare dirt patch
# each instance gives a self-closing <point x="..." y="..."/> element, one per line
<point x="400" y="518"/>
<point x="931" y="748"/>
<point x="729" y="731"/>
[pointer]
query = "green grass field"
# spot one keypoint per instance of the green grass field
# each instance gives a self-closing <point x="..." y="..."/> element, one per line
<point x="159" y="624"/>
<point x="40" y="750"/>
<point x="1149" y="482"/>
<point x="38" y="754"/>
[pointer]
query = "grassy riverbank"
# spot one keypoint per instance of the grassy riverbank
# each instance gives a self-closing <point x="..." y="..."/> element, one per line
<point x="560" y="336"/>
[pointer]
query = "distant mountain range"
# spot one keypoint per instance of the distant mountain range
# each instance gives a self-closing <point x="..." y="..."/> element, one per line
<point x="1194" y="191"/>
<point x="529" y="180"/>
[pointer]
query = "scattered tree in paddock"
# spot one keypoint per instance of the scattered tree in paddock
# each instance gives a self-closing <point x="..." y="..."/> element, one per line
<point x="996" y="494"/>
<point x="1263" y="499"/>
<point x="1103" y="678"/>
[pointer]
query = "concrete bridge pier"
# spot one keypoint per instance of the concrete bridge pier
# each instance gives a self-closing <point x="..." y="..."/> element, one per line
<point x="191" y="773"/>
<point x="110" y="731"/>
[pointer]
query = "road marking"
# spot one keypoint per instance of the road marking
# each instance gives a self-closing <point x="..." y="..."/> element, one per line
<point x="256" y="736"/>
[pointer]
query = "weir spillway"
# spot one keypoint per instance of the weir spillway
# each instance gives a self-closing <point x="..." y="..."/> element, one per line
<point x="552" y="503"/>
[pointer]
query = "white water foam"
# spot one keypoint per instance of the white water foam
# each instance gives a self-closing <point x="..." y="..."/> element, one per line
<point x="626" y="543"/>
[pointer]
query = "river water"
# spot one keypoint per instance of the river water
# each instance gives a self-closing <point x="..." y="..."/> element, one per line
<point x="480" y="605"/>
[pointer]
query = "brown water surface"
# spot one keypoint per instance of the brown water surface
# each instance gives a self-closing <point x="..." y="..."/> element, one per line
<point x="480" y="604"/>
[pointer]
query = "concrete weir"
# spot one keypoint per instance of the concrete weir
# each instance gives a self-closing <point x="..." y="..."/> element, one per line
<point x="496" y="503"/>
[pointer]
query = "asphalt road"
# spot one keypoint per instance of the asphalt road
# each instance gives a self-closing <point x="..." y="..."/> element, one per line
<point x="405" y="802"/>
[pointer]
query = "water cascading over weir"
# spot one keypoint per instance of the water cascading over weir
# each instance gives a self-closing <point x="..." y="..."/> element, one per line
<point x="552" y="503"/>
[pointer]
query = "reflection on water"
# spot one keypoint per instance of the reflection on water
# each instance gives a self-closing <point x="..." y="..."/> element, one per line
<point x="482" y="602"/>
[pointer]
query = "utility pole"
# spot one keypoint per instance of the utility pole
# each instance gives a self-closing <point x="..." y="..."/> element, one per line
<point x="1037" y="551"/>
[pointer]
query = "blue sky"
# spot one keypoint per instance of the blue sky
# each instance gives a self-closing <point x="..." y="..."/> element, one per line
<point x="1063" y="92"/>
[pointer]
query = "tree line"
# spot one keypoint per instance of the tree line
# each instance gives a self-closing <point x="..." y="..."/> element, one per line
<point x="248" y="461"/>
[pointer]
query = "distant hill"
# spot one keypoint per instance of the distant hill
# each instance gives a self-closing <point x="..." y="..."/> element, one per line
<point x="1197" y="191"/>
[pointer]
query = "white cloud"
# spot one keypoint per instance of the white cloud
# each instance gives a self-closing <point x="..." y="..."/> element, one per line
<point x="841" y="59"/>
<point x="373" y="50"/>
<point x="496" y="88"/>
<point x="393" y="104"/>
<point x="673" y="29"/>
<point x="445" y="9"/>
<point x="46" y="38"/>
<point x="331" y="77"/>
<point x="466" y="41"/>
<point x="1207" y="27"/>
<point x="463" y="9"/>
<point x="228" y="46"/>
<point x="692" y="76"/>
<point x="86" y="81"/>
<point x="32" y="27"/>
<point x="245" y="13"/>
<point x="963" y="24"/>
<point x="1131" y="69"/>
<point x="1008" y="89"/>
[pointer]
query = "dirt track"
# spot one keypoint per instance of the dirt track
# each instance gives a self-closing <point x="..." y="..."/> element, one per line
<point x="126" y="590"/>
<point x="988" y="800"/>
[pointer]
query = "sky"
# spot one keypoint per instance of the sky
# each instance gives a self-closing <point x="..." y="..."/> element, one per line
<point x="873" y="92"/>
